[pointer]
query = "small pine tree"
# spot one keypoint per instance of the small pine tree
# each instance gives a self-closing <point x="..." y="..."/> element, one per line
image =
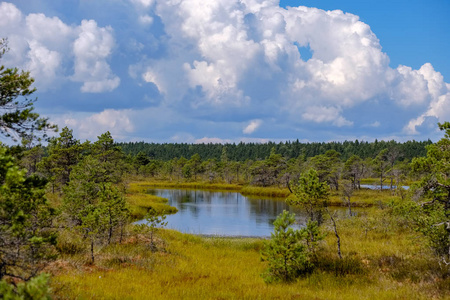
<point x="285" y="252"/>
<point x="153" y="221"/>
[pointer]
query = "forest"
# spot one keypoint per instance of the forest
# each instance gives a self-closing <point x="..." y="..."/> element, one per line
<point x="259" y="151"/>
<point x="78" y="219"/>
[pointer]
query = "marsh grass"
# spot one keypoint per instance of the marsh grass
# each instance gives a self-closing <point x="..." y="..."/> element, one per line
<point x="140" y="202"/>
<point x="374" y="266"/>
<point x="360" y="198"/>
<point x="146" y="184"/>
<point x="265" y="191"/>
<point x="382" y="259"/>
<point x="363" y="198"/>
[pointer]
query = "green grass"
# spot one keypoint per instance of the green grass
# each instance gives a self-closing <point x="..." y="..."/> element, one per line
<point x="140" y="202"/>
<point x="377" y="266"/>
<point x="382" y="259"/>
<point x="265" y="191"/>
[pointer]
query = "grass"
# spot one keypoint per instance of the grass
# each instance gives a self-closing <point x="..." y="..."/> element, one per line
<point x="275" y="192"/>
<point x="383" y="259"/>
<point x="140" y="202"/>
<point x="191" y="267"/>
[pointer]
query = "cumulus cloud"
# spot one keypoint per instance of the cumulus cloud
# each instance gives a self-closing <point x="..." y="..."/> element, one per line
<point x="91" y="49"/>
<point x="46" y="46"/>
<point x="252" y="126"/>
<point x="244" y="53"/>
<point x="117" y="122"/>
<point x="236" y="60"/>
<point x="320" y="114"/>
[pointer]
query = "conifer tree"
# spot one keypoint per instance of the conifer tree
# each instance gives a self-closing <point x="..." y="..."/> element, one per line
<point x="17" y="117"/>
<point x="285" y="252"/>
<point x="26" y="233"/>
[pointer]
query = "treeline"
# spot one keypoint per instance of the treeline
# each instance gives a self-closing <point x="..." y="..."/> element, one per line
<point x="258" y="151"/>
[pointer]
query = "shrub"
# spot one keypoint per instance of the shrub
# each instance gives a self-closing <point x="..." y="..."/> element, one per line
<point x="285" y="253"/>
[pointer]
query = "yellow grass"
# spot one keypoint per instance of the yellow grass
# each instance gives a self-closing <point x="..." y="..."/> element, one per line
<point x="383" y="259"/>
<point x="191" y="267"/>
<point x="140" y="202"/>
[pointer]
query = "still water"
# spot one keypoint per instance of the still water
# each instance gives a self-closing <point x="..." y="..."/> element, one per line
<point x="224" y="213"/>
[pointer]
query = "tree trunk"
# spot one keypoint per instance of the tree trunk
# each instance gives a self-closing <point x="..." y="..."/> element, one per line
<point x="92" y="251"/>
<point x="336" y="234"/>
<point x="110" y="228"/>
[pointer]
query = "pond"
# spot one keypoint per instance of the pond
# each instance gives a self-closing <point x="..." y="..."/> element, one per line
<point x="376" y="186"/>
<point x="225" y="213"/>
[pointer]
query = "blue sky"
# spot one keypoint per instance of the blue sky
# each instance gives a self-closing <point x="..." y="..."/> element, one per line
<point x="236" y="70"/>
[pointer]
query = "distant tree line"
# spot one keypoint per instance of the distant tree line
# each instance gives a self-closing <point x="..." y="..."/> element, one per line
<point x="258" y="151"/>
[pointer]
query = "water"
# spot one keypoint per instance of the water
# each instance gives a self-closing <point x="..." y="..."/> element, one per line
<point x="225" y="213"/>
<point x="385" y="187"/>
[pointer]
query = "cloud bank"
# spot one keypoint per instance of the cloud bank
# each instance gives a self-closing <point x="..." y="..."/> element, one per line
<point x="235" y="61"/>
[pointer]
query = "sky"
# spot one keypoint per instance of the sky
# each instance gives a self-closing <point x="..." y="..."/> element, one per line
<point x="230" y="71"/>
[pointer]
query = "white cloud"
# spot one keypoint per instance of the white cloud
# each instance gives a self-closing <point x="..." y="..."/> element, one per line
<point x="144" y="3"/>
<point x="10" y="15"/>
<point x="117" y="122"/>
<point x="439" y="108"/>
<point x="92" y="47"/>
<point x="152" y="77"/>
<point x="230" y="43"/>
<point x="145" y="20"/>
<point x="252" y="126"/>
<point x="234" y="59"/>
<point x="44" y="45"/>
<point x="43" y="63"/>
<point x="321" y="114"/>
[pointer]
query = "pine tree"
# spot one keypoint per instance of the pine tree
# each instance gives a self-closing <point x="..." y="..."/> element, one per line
<point x="285" y="252"/>
<point x="26" y="233"/>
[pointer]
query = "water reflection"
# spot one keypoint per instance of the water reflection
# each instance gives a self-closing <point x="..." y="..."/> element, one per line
<point x="224" y="213"/>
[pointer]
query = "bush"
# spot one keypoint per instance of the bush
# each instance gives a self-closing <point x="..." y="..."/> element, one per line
<point x="285" y="253"/>
<point x="35" y="289"/>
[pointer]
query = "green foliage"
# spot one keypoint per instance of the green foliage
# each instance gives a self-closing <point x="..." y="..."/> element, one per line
<point x="328" y="167"/>
<point x="285" y="253"/>
<point x="311" y="194"/>
<point x="93" y="203"/>
<point x="260" y="151"/>
<point x="35" y="289"/>
<point x="26" y="234"/>
<point x="353" y="170"/>
<point x="18" y="119"/>
<point x="64" y="153"/>
<point x="312" y="236"/>
<point x="153" y="221"/>
<point x="434" y="214"/>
